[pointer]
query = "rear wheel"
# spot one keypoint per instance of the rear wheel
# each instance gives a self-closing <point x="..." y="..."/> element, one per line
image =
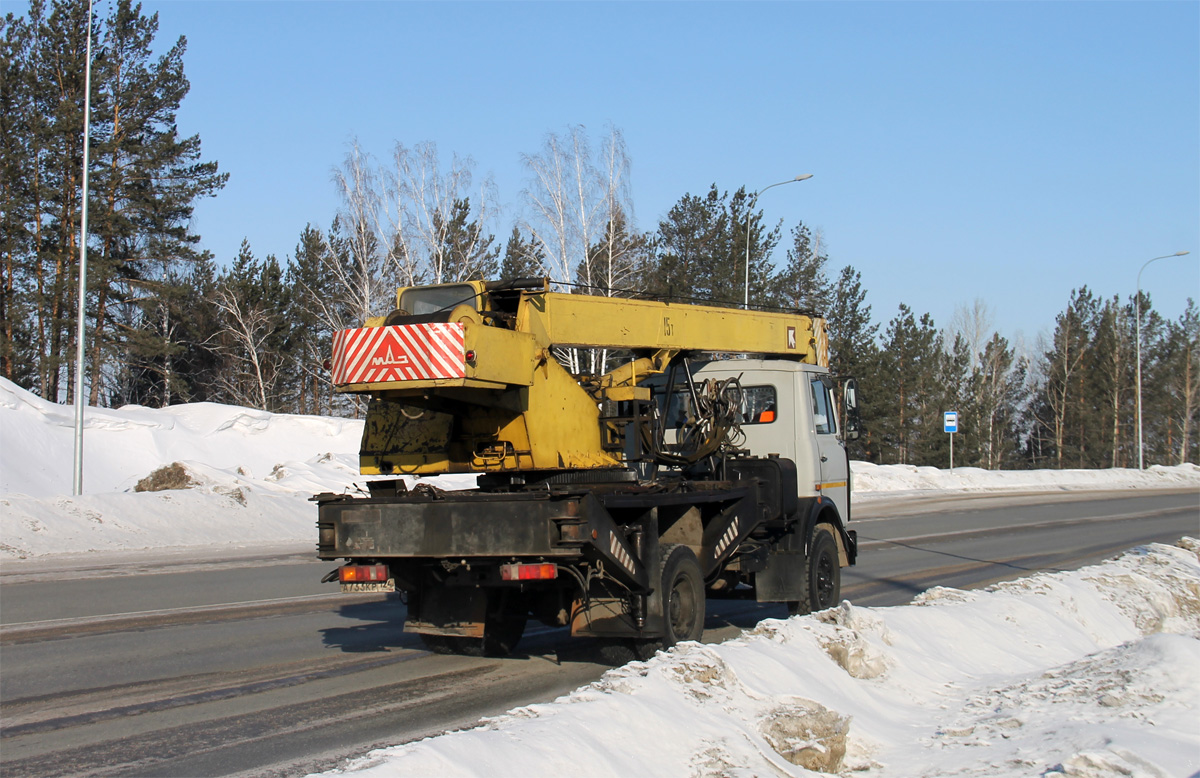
<point x="682" y="591"/>
<point x="682" y="595"/>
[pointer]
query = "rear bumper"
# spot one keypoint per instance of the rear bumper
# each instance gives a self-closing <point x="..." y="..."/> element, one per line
<point x="458" y="526"/>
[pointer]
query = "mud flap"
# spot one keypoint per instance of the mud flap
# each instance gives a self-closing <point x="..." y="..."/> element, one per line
<point x="458" y="611"/>
<point x="783" y="580"/>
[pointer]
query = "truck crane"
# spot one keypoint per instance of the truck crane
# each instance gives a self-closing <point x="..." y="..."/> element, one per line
<point x="634" y="458"/>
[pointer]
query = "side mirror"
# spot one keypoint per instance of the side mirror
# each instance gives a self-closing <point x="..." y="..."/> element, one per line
<point x="853" y="423"/>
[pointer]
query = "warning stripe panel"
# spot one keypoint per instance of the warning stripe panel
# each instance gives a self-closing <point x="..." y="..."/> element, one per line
<point x="403" y="352"/>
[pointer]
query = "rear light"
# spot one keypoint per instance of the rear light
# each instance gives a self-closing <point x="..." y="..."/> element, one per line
<point x="539" y="572"/>
<point x="360" y="573"/>
<point x="766" y="417"/>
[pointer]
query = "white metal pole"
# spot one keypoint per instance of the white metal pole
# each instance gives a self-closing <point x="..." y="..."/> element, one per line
<point x="951" y="453"/>
<point x="77" y="485"/>
<point x="1137" y="307"/>
<point x="754" y="199"/>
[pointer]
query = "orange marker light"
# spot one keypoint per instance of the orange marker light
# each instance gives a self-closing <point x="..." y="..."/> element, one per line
<point x="358" y="573"/>
<point x="538" y="572"/>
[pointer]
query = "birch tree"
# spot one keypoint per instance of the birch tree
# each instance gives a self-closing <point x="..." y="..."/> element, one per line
<point x="563" y="202"/>
<point x="431" y="237"/>
<point x="360" y="276"/>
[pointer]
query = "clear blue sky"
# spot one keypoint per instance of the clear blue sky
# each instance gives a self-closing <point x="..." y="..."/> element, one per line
<point x="1006" y="151"/>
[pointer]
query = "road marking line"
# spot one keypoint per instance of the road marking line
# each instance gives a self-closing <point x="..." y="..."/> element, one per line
<point x="103" y="617"/>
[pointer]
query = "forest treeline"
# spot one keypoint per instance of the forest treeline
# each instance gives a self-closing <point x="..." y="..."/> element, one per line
<point x="169" y="323"/>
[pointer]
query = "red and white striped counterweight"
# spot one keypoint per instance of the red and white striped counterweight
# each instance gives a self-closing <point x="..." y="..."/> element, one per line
<point x="405" y="352"/>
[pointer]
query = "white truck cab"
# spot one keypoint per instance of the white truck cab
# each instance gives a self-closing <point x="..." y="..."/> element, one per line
<point x="790" y="411"/>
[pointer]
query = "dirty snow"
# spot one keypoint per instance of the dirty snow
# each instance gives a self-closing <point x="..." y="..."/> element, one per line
<point x="1093" y="674"/>
<point x="252" y="473"/>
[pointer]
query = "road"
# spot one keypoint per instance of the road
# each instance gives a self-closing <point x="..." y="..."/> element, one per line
<point x="250" y="666"/>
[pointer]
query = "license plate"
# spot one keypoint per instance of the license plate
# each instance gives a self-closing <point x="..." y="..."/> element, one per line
<point x="369" y="586"/>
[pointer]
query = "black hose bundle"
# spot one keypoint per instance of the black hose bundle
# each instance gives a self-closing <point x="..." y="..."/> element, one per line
<point x="713" y="422"/>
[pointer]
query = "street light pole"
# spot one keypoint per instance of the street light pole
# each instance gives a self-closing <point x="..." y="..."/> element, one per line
<point x="1137" y="305"/>
<point x="749" y="211"/>
<point x="77" y="481"/>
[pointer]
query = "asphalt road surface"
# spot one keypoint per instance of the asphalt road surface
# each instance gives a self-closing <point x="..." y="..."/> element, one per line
<point x="159" y="665"/>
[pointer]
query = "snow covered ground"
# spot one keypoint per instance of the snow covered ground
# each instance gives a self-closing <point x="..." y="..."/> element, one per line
<point x="250" y="473"/>
<point x="1093" y="673"/>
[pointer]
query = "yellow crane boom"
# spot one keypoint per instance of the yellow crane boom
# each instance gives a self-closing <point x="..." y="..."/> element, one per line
<point x="464" y="378"/>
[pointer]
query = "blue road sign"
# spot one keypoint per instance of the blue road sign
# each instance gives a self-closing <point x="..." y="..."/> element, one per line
<point x="951" y="421"/>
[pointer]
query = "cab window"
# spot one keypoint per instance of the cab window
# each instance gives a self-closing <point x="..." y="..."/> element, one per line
<point x="823" y="418"/>
<point x="432" y="299"/>
<point x="757" y="404"/>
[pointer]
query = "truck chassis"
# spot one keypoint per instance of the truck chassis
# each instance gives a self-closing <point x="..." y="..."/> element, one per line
<point x="617" y="559"/>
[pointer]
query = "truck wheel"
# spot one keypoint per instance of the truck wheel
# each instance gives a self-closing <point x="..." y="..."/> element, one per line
<point x="823" y="579"/>
<point x="682" y="594"/>
<point x="682" y="591"/>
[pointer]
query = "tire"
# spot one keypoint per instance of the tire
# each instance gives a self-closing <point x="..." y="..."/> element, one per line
<point x="682" y="590"/>
<point x="823" y="574"/>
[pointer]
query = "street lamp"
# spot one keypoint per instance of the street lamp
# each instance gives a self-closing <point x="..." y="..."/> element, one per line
<point x="77" y="473"/>
<point x="749" y="211"/>
<point x="1137" y="303"/>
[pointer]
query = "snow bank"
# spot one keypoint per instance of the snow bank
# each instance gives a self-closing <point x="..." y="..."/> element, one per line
<point x="254" y="471"/>
<point x="122" y="446"/>
<point x="251" y="475"/>
<point x="1091" y="673"/>
<point x="872" y="480"/>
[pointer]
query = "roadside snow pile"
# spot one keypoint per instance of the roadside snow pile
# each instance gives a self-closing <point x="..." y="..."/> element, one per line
<point x="1092" y="673"/>
<point x="124" y="445"/>
<point x="241" y="476"/>
<point x="871" y="480"/>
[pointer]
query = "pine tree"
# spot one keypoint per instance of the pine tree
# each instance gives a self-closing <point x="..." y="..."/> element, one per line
<point x="199" y="363"/>
<point x="254" y="331"/>
<point x="854" y="353"/>
<point x="148" y="179"/>
<point x="728" y="280"/>
<point x="908" y="369"/>
<point x="691" y="238"/>
<point x="1063" y="393"/>
<point x="17" y="362"/>
<point x="996" y="389"/>
<point x="462" y="251"/>
<point x="1174" y="392"/>
<point x="701" y="250"/>
<point x="311" y="294"/>
<point x="53" y="72"/>
<point x="522" y="259"/>
<point x="143" y="180"/>
<point x="803" y="283"/>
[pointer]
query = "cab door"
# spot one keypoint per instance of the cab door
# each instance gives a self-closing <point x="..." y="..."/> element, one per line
<point x="834" y="467"/>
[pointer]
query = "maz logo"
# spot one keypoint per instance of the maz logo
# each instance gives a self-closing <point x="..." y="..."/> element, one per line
<point x="390" y="359"/>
